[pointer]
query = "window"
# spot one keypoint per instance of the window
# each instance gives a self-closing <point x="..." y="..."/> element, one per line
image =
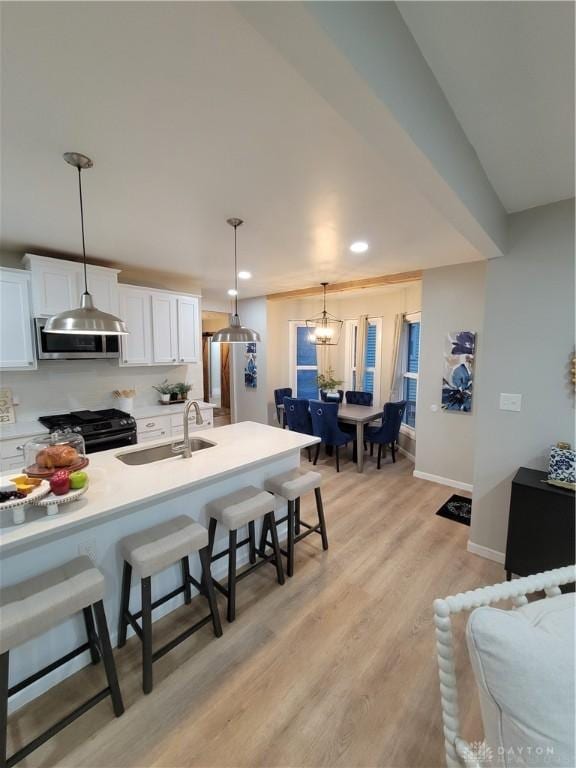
<point x="411" y="368"/>
<point x="303" y="362"/>
<point x="371" y="381"/>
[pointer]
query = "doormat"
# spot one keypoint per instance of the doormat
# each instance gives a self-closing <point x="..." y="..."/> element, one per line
<point x="457" y="508"/>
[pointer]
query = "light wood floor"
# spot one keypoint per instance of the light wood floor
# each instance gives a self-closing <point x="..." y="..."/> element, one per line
<point x="335" y="668"/>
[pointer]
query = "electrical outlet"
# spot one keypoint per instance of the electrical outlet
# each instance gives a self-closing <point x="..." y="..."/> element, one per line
<point x="510" y="402"/>
<point x="88" y="547"/>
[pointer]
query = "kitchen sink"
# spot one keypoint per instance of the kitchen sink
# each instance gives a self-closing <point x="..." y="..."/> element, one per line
<point x="160" y="452"/>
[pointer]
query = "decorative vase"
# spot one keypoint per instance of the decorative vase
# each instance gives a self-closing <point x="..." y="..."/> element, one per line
<point x="165" y="397"/>
<point x="174" y="396"/>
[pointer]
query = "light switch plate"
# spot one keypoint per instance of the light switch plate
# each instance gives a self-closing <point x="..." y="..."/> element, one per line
<point x="510" y="402"/>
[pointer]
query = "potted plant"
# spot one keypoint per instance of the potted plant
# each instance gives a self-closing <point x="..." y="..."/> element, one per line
<point x="327" y="383"/>
<point x="182" y="389"/>
<point x="164" y="390"/>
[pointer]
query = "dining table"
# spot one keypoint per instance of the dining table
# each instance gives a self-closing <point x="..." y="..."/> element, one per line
<point x="360" y="415"/>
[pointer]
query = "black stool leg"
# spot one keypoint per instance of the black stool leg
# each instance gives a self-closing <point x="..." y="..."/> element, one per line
<point x="211" y="534"/>
<point x="263" y="536"/>
<point x="379" y="455"/>
<point x="297" y="517"/>
<point x="146" y="589"/>
<point x="231" y="611"/>
<point x="186" y="580"/>
<point x="108" y="658"/>
<point x="4" y="661"/>
<point x="321" y="518"/>
<point x="124" y="604"/>
<point x="309" y="452"/>
<point x="276" y="547"/>
<point x="393" y="449"/>
<point x="337" y="459"/>
<point x="91" y="633"/>
<point x="210" y="594"/>
<point x="290" y="542"/>
<point x="252" y="542"/>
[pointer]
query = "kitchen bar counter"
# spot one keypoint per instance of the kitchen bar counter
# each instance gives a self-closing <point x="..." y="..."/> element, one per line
<point x="116" y="487"/>
<point x="122" y="500"/>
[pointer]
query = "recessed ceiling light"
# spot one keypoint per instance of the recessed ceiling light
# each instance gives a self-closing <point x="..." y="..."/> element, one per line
<point x="360" y="246"/>
<point x="243" y="275"/>
<point x="232" y="292"/>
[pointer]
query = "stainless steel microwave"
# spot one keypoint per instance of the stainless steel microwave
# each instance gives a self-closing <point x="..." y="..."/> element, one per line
<point x="68" y="346"/>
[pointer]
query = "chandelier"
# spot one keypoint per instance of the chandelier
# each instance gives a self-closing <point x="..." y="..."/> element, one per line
<point x="324" y="329"/>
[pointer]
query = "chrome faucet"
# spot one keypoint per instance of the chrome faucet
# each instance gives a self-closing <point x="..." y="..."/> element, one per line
<point x="185" y="448"/>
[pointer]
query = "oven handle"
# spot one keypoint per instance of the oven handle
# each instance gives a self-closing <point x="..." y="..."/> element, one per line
<point x="111" y="438"/>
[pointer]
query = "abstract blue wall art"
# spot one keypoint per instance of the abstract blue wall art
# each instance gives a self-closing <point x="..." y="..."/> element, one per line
<point x="458" y="378"/>
<point x="250" y="371"/>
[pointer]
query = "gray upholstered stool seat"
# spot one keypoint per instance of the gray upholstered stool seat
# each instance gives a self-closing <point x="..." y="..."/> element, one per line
<point x="34" y="606"/>
<point x="293" y="484"/>
<point x="156" y="548"/>
<point x="233" y="511"/>
<point x="148" y="552"/>
<point x="241" y="507"/>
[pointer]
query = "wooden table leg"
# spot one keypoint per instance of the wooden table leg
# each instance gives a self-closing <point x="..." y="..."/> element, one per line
<point x="360" y="446"/>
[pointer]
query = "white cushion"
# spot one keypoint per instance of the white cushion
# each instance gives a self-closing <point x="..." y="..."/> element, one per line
<point x="241" y="507"/>
<point x="32" y="607"/>
<point x="523" y="661"/>
<point x="293" y="484"/>
<point x="153" y="549"/>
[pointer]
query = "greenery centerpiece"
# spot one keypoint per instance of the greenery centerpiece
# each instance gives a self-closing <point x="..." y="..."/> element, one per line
<point x="165" y="390"/>
<point x="327" y="382"/>
<point x="181" y="390"/>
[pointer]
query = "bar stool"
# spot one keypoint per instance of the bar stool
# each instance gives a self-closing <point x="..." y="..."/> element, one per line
<point x="237" y="509"/>
<point x="148" y="552"/>
<point x="291" y="486"/>
<point x="34" y="606"/>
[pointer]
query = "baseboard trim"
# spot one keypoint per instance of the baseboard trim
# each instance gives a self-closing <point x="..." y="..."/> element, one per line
<point x="408" y="455"/>
<point x="443" y="480"/>
<point x="486" y="552"/>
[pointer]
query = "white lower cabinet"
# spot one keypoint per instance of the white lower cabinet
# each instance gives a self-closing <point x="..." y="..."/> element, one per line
<point x="16" y="339"/>
<point x="159" y="427"/>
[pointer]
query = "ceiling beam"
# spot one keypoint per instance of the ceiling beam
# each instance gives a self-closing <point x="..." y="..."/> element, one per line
<point x="350" y="285"/>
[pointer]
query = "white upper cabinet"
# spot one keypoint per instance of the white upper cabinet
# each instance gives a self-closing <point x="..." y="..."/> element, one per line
<point x="16" y="340"/>
<point x="103" y="285"/>
<point x="58" y="284"/>
<point x="164" y="328"/>
<point x="188" y="329"/>
<point x="136" y="311"/>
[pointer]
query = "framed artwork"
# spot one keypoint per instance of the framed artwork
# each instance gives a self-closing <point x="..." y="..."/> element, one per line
<point x="251" y="367"/>
<point x="458" y="376"/>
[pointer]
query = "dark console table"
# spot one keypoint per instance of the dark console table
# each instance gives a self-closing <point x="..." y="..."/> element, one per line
<point x="540" y="526"/>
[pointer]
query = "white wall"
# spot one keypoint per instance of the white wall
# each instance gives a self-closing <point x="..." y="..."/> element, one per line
<point x="251" y="404"/>
<point x="69" y="385"/>
<point x="527" y="345"/>
<point x="452" y="300"/>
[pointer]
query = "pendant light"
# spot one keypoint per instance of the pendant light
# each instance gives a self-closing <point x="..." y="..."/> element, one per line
<point x="324" y="329"/>
<point x="86" y="319"/>
<point x="235" y="333"/>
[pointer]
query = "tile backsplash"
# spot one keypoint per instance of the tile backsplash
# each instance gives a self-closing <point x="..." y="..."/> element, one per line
<point x="59" y="386"/>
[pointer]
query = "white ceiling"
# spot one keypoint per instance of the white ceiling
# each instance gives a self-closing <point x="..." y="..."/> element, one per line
<point x="507" y="69"/>
<point x="191" y="117"/>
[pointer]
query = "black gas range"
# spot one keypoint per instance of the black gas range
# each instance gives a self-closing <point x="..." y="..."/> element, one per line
<point x="101" y="430"/>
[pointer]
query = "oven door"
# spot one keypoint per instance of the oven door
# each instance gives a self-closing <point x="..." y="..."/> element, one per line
<point x="108" y="442"/>
<point x="68" y="346"/>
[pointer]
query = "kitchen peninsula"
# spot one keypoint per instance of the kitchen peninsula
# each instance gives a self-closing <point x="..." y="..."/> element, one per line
<point x="123" y="499"/>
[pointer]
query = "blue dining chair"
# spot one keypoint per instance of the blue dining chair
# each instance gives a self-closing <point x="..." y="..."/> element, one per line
<point x="354" y="397"/>
<point x="332" y="397"/>
<point x="387" y="433"/>
<point x="279" y="395"/>
<point x="298" y="419"/>
<point x="325" y="426"/>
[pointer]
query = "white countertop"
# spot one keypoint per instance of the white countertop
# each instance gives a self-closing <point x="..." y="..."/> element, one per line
<point x="148" y="411"/>
<point x="21" y="429"/>
<point x="115" y="486"/>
